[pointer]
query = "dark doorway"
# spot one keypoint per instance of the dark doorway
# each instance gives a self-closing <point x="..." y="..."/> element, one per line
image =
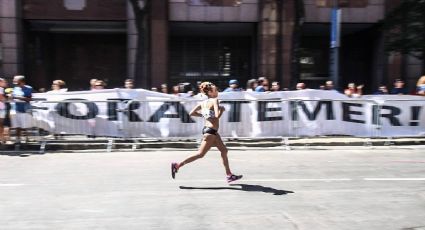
<point x="214" y="52"/>
<point x="356" y="54"/>
<point x="75" y="58"/>
<point x="213" y="59"/>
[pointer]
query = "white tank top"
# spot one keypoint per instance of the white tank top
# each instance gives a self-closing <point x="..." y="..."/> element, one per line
<point x="205" y="111"/>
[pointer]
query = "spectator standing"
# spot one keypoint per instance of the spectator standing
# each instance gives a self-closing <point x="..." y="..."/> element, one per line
<point x="263" y="85"/>
<point x="164" y="88"/>
<point x="233" y="86"/>
<point x="3" y="85"/>
<point x="6" y="122"/>
<point x="251" y="85"/>
<point x="93" y="83"/>
<point x="58" y="86"/>
<point x="275" y="86"/>
<point x="99" y="84"/>
<point x="300" y="86"/>
<point x="399" y="88"/>
<point x="21" y="95"/>
<point x="176" y="90"/>
<point x="329" y="85"/>
<point x="382" y="90"/>
<point x="353" y="91"/>
<point x="129" y="84"/>
<point x="420" y="86"/>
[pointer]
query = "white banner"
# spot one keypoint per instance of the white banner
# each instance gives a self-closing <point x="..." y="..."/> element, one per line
<point x="142" y="113"/>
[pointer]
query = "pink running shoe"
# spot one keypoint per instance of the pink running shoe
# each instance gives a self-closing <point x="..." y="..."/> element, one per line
<point x="174" y="170"/>
<point x="233" y="177"/>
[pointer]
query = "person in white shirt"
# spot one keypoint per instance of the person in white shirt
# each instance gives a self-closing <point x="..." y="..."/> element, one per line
<point x="3" y="85"/>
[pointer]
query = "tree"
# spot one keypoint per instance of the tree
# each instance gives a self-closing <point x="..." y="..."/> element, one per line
<point x="141" y="14"/>
<point x="405" y="29"/>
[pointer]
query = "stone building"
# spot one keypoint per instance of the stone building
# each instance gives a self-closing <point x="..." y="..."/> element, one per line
<point x="194" y="40"/>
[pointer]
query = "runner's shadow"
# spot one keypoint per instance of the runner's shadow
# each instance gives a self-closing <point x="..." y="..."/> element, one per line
<point x="244" y="187"/>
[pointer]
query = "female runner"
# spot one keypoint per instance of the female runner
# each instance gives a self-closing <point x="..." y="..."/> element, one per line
<point x="211" y="111"/>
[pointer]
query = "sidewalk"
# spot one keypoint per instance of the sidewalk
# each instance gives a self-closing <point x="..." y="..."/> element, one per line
<point x="110" y="144"/>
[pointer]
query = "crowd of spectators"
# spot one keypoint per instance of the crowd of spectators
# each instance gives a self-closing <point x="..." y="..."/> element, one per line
<point x="262" y="84"/>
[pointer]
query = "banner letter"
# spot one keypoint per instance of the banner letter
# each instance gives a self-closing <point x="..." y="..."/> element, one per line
<point x="262" y="110"/>
<point x="62" y="109"/>
<point x="346" y="112"/>
<point x="181" y="113"/>
<point x="394" y="111"/>
<point x="235" y="110"/>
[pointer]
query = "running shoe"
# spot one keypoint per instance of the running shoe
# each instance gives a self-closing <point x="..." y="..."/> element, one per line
<point x="173" y="170"/>
<point x="233" y="177"/>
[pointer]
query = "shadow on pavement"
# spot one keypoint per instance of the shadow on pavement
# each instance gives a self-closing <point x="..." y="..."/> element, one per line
<point x="244" y="187"/>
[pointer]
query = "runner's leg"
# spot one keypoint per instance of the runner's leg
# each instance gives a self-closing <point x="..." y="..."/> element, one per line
<point x="206" y="144"/>
<point x="223" y="150"/>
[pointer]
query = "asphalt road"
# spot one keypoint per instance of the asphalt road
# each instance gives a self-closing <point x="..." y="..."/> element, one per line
<point x="323" y="188"/>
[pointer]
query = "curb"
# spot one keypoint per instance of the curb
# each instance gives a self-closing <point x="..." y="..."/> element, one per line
<point x="112" y="145"/>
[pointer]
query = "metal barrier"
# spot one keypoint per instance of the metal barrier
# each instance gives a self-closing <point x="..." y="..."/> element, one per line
<point x="135" y="122"/>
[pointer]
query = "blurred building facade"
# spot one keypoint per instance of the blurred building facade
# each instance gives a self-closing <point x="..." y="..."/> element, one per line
<point x="194" y="40"/>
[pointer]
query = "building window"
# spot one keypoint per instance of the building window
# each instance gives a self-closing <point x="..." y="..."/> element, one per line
<point x="74" y="4"/>
<point x="215" y="2"/>
<point x="216" y="59"/>
<point x="313" y="64"/>
<point x="342" y="3"/>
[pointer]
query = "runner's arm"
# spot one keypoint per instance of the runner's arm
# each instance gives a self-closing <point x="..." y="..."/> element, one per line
<point x="195" y="112"/>
<point x="222" y="109"/>
<point x="216" y="106"/>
